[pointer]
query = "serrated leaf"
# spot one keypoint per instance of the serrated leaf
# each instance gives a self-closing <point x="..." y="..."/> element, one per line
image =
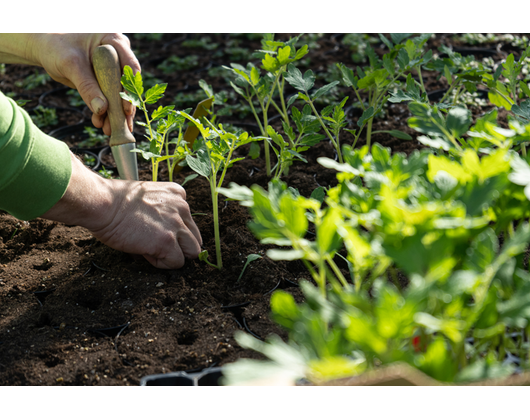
<point x="201" y="166"/>
<point x="132" y="82"/>
<point x="294" y="78"/>
<point x="397" y="38"/>
<point x="522" y="110"/>
<point x="324" y="89"/>
<point x="132" y="98"/>
<point x="367" y="114"/>
<point x="155" y="93"/>
<point x="283" y="55"/>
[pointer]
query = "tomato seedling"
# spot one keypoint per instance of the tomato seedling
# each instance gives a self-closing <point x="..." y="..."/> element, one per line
<point x="250" y="84"/>
<point x="214" y="153"/>
<point x="166" y="119"/>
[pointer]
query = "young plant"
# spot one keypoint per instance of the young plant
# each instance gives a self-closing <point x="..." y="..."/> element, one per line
<point x="251" y="85"/>
<point x="437" y="219"/>
<point x="376" y="80"/>
<point x="166" y="119"/>
<point x="290" y="150"/>
<point x="213" y="154"/>
<point x="507" y="94"/>
<point x="461" y="72"/>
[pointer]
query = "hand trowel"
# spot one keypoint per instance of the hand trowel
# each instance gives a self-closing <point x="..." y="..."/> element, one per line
<point x="108" y="72"/>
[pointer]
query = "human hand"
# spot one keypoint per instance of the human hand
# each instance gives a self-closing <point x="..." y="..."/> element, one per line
<point x="143" y="218"/>
<point x="67" y="58"/>
<point x="152" y="219"/>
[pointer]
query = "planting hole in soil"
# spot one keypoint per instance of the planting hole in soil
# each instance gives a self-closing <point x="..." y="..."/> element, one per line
<point x="358" y="207"/>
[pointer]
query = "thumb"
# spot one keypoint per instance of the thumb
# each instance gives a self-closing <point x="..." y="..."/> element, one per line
<point x="85" y="81"/>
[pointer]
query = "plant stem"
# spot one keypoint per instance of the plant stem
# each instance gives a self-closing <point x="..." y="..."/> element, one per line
<point x="369" y="134"/>
<point x="337" y="272"/>
<point x="215" y="194"/>
<point x="337" y="148"/>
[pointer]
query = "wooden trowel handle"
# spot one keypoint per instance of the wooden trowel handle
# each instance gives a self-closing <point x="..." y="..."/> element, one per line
<point x="108" y="72"/>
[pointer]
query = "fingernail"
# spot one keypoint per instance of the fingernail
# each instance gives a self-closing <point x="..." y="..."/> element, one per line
<point x="97" y="103"/>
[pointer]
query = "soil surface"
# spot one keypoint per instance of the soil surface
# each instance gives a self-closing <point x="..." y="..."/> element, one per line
<point x="75" y="312"/>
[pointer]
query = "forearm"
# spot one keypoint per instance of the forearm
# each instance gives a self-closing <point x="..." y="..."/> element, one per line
<point x="17" y="49"/>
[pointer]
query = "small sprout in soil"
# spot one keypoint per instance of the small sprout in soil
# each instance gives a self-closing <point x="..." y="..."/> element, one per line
<point x="250" y="258"/>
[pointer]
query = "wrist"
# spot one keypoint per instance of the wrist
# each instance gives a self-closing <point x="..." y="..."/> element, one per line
<point x="88" y="200"/>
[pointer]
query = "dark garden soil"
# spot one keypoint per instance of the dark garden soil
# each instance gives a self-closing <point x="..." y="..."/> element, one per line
<point x="74" y="312"/>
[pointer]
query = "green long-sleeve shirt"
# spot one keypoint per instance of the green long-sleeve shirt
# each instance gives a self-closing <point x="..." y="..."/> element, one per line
<point x="34" y="168"/>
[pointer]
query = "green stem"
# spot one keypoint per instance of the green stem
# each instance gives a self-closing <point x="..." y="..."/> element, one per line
<point x="337" y="272"/>
<point x="418" y="69"/>
<point x="282" y="100"/>
<point x="369" y="134"/>
<point x="213" y="189"/>
<point x="337" y="148"/>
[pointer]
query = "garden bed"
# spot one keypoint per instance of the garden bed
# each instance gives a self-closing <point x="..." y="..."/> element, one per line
<point x="111" y="318"/>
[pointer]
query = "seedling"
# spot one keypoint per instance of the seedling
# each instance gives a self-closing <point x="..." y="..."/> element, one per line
<point x="167" y="120"/>
<point x="250" y="258"/>
<point x="435" y="217"/>
<point x="249" y="83"/>
<point x="94" y="138"/>
<point x="287" y="151"/>
<point x="33" y="80"/>
<point x="376" y="80"/>
<point x="213" y="154"/>
<point x="44" y="117"/>
<point x="174" y="64"/>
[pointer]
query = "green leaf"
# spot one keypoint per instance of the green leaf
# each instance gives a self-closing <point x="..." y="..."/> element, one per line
<point x="189" y="178"/>
<point x="403" y="58"/>
<point x="483" y="369"/>
<point x="285" y="255"/>
<point x="254" y="150"/>
<point x="283" y="55"/>
<point x="250" y="258"/>
<point x="348" y="75"/>
<point x="133" y="99"/>
<point x="206" y="88"/>
<point x="200" y="165"/>
<point x="500" y="97"/>
<point x="367" y="114"/>
<point x="524" y="87"/>
<point x="328" y="240"/>
<point x="397" y="38"/>
<point x="132" y="83"/>
<point x="458" y="121"/>
<point x="395" y="133"/>
<point x="294" y="78"/>
<point x="155" y="93"/>
<point x="522" y="110"/>
<point x="284" y="309"/>
<point x="324" y="89"/>
<point x="319" y="194"/>
<point x="254" y="76"/>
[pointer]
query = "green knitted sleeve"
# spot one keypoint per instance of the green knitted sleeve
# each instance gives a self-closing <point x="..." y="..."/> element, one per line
<point x="35" y="168"/>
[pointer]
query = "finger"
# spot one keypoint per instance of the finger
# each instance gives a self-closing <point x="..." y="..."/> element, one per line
<point x="190" y="224"/>
<point x="84" y="80"/>
<point x="188" y="243"/>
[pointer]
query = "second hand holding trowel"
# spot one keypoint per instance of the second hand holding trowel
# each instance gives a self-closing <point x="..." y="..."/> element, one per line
<point x="108" y="72"/>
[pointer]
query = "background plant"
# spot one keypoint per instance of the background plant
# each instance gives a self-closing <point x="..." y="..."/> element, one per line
<point x="276" y="55"/>
<point x="461" y="317"/>
<point x="374" y="81"/>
